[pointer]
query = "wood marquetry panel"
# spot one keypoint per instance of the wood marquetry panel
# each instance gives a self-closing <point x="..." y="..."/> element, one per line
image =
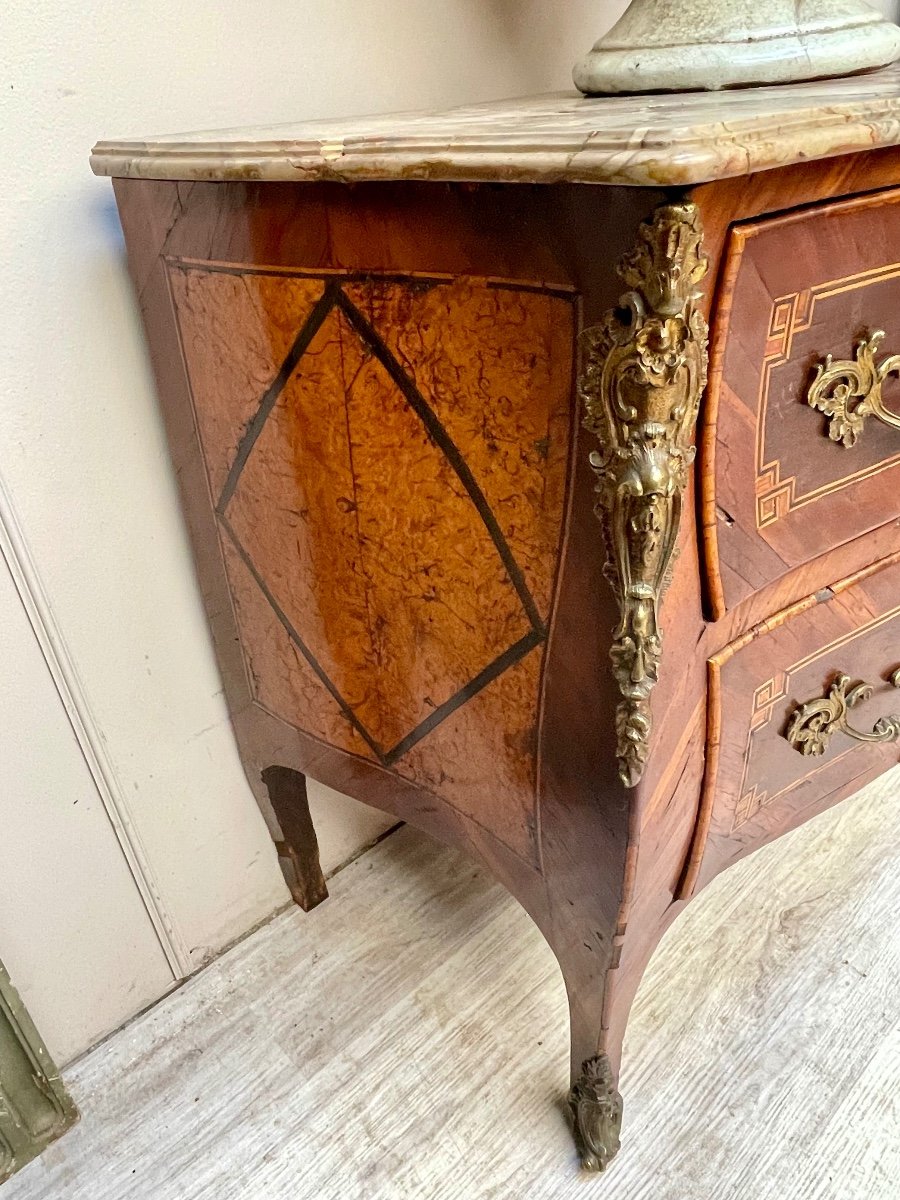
<point x="388" y="461"/>
<point x="779" y="492"/>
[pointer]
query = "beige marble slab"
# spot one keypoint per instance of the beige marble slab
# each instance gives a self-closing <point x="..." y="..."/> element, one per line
<point x="644" y="141"/>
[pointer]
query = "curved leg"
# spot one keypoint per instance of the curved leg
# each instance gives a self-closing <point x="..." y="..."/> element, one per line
<point x="598" y="1020"/>
<point x="613" y="865"/>
<point x="298" y="846"/>
<point x="593" y="1098"/>
<point x="589" y="834"/>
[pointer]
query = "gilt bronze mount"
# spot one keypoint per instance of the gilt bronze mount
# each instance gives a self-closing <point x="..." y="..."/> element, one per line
<point x="814" y="723"/>
<point x="848" y="392"/>
<point x="645" y="371"/>
<point x="597" y="1110"/>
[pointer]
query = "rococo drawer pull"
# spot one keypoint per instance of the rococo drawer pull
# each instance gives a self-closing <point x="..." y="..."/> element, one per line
<point x="848" y="392"/>
<point x="811" y="727"/>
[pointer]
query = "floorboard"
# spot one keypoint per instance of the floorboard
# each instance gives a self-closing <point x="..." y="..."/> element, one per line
<point x="408" y="1039"/>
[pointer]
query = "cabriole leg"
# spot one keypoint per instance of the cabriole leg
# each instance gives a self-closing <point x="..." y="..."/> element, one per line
<point x="298" y="848"/>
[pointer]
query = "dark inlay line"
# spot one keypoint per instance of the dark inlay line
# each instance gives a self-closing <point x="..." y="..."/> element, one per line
<point x="336" y="275"/>
<point x="491" y="672"/>
<point x="561" y="291"/>
<point x="298" y="641"/>
<point x="309" y="330"/>
<point x="442" y="439"/>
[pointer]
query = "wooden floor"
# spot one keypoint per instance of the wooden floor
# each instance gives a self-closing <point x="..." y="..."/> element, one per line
<point x="408" y="1039"/>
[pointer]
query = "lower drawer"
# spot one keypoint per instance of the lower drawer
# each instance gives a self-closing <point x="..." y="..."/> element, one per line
<point x="802" y="713"/>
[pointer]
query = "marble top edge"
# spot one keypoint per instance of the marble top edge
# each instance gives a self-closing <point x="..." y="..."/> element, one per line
<point x="648" y="140"/>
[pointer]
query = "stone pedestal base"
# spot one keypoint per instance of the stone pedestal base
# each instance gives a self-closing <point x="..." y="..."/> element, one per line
<point x="689" y="45"/>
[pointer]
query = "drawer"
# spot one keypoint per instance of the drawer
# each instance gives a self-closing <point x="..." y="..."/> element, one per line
<point x="782" y="700"/>
<point x="784" y="481"/>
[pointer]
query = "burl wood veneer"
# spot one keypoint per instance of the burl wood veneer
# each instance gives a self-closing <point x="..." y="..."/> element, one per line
<point x="435" y="434"/>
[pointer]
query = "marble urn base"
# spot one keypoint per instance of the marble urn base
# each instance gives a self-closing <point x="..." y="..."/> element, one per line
<point x="689" y="45"/>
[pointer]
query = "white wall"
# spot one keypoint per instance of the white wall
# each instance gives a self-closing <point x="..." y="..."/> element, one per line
<point x="85" y="465"/>
<point x="64" y="882"/>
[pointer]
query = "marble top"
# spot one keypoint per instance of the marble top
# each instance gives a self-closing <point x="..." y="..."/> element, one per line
<point x="641" y="140"/>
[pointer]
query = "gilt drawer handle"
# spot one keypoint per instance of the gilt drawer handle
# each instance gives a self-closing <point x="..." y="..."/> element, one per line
<point x="811" y="727"/>
<point x="848" y="392"/>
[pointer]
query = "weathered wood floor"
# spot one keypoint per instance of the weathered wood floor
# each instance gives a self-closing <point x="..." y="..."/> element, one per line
<point x="408" y="1040"/>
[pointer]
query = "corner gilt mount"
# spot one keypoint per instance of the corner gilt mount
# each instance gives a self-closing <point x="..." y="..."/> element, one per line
<point x="645" y="371"/>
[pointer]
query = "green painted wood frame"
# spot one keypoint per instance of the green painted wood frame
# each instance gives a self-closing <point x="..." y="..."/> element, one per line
<point x="35" y="1107"/>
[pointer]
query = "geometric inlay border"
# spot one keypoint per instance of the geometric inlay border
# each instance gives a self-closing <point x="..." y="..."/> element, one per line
<point x="776" y="498"/>
<point x="334" y="297"/>
<point x="763" y="704"/>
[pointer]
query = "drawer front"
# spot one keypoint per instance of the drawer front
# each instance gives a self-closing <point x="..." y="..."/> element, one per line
<point x="790" y="730"/>
<point x="796" y="463"/>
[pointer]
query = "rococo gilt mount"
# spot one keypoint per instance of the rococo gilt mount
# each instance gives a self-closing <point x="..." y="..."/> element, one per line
<point x="644" y="374"/>
<point x="427" y="379"/>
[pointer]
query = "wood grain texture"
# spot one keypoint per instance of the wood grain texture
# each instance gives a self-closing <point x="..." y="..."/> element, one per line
<point x="757" y="784"/>
<point x="388" y="460"/>
<point x="502" y="390"/>
<point x="778" y="492"/>
<point x="379" y="1045"/>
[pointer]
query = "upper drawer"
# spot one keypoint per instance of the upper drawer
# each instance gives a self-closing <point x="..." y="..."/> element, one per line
<point x="778" y="491"/>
